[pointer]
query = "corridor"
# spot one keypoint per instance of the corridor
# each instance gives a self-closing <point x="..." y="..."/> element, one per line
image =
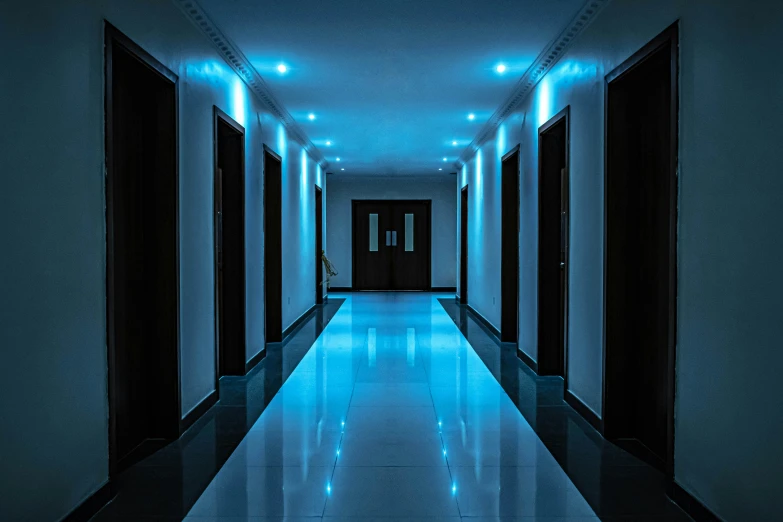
<point x="391" y="415"/>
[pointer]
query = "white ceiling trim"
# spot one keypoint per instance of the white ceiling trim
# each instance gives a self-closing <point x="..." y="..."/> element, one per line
<point x="533" y="75"/>
<point x="239" y="62"/>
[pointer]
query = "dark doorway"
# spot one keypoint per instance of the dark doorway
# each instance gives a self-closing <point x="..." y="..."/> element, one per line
<point x="273" y="246"/>
<point x="553" y="245"/>
<point x="142" y="263"/>
<point x="509" y="250"/>
<point x="463" y="248"/>
<point x="319" y="246"/>
<point x="229" y="225"/>
<point x="640" y="269"/>
<point x="391" y="245"/>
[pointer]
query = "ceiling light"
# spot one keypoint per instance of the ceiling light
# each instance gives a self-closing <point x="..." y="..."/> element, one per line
<point x="338" y="159"/>
<point x="445" y="159"/>
<point x="454" y="142"/>
<point x="328" y="143"/>
<point x="342" y="169"/>
<point x="311" y="116"/>
<point x="282" y="69"/>
<point x="471" y="116"/>
<point x="500" y="68"/>
<point x="440" y="169"/>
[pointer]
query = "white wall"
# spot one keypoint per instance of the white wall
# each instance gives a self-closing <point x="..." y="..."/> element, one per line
<point x="440" y="190"/>
<point x="53" y="445"/>
<point x="728" y="407"/>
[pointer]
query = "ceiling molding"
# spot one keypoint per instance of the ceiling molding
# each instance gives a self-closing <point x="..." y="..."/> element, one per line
<point x="545" y="61"/>
<point x="242" y="66"/>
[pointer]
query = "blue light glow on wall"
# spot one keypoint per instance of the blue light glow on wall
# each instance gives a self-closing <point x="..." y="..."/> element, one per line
<point x="238" y="100"/>
<point x="544" y="100"/>
<point x="502" y="141"/>
<point x="281" y="140"/>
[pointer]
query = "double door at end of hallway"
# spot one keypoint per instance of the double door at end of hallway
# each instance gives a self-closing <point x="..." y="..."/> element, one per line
<point x="391" y="245"/>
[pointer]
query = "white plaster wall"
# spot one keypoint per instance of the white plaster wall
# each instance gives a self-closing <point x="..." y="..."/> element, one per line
<point x="444" y="232"/>
<point x="728" y="408"/>
<point x="53" y="445"/>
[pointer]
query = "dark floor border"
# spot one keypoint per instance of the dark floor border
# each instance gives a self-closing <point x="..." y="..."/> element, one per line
<point x="691" y="505"/>
<point x="92" y="504"/>
<point x="582" y="409"/>
<point x="481" y="319"/>
<point x="253" y="362"/>
<point x="296" y="324"/>
<point x="340" y="289"/>
<point x="444" y="289"/>
<point x="195" y="414"/>
<point x="525" y="358"/>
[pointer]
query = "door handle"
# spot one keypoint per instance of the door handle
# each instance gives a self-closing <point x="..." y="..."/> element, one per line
<point x="394" y="238"/>
<point x="388" y="238"/>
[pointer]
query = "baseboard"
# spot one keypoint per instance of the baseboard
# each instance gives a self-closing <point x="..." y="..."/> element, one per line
<point x="484" y="321"/>
<point x="293" y="326"/>
<point x="253" y="362"/>
<point x="196" y="413"/>
<point x="445" y="289"/>
<point x="529" y="362"/>
<point x="341" y="289"/>
<point x="691" y="505"/>
<point x="91" y="505"/>
<point x="582" y="409"/>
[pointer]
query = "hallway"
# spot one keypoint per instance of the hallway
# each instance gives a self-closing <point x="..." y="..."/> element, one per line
<point x="391" y="414"/>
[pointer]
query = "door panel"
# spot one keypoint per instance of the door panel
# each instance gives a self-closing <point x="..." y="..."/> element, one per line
<point x="372" y="256"/>
<point x="411" y="253"/>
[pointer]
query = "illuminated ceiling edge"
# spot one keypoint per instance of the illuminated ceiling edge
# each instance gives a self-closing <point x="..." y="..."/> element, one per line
<point x="545" y="61"/>
<point x="242" y="66"/>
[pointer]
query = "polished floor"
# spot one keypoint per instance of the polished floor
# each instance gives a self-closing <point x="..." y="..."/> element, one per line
<point x="391" y="407"/>
<point x="391" y="415"/>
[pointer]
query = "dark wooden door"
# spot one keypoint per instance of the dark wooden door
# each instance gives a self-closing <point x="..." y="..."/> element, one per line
<point x="552" y="244"/>
<point x="391" y="245"/>
<point x="230" y="239"/>
<point x="142" y="252"/>
<point x="373" y="243"/>
<point x="410" y="245"/>
<point x="273" y="244"/>
<point x="319" y="246"/>
<point x="640" y="277"/>
<point x="509" y="250"/>
<point x="463" y="241"/>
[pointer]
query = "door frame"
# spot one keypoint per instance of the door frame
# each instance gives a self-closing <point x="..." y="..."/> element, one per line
<point x="114" y="38"/>
<point x="463" y="245"/>
<point x="277" y="268"/>
<point x="669" y="36"/>
<point x="427" y="202"/>
<point x="562" y="116"/>
<point x="219" y="116"/>
<point x="514" y="274"/>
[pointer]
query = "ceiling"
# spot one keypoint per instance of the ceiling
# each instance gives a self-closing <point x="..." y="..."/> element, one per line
<point x="391" y="83"/>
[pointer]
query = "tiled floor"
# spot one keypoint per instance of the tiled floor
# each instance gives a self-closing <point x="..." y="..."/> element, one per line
<point x="391" y="415"/>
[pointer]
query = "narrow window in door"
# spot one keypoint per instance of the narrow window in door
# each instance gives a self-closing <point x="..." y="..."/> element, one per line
<point x="373" y="232"/>
<point x="409" y="232"/>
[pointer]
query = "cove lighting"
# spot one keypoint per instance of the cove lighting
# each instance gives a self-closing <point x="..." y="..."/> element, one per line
<point x="311" y="116"/>
<point x="500" y="68"/>
<point x="282" y="69"/>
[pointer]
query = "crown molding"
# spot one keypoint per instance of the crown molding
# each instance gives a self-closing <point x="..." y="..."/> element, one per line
<point x="545" y="61"/>
<point x="242" y="66"/>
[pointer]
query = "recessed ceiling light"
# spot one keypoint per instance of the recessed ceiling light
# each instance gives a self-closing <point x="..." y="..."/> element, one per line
<point x="328" y="143"/>
<point x="342" y="169"/>
<point x="454" y="142"/>
<point x="445" y="159"/>
<point x="500" y="68"/>
<point x="471" y="116"/>
<point x="338" y="159"/>
<point x="311" y="116"/>
<point x="440" y="169"/>
<point x="282" y="69"/>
